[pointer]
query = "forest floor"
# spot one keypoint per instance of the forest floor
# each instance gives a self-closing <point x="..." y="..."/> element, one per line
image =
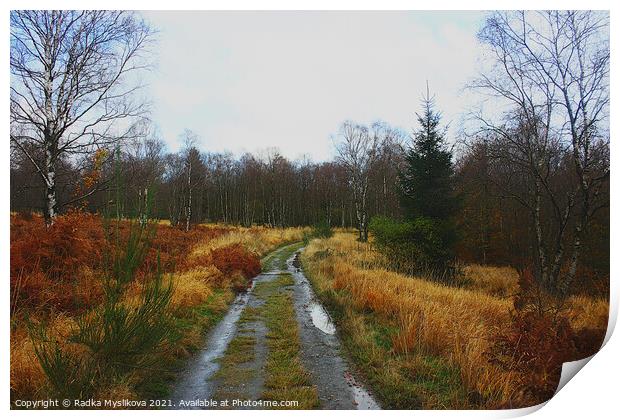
<point x="275" y="344"/>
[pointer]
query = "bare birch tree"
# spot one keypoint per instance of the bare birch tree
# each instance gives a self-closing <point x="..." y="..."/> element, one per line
<point x="358" y="150"/>
<point x="552" y="68"/>
<point x="70" y="85"/>
<point x="193" y="171"/>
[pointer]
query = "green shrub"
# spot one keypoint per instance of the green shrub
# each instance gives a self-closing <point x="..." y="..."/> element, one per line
<point x="305" y="238"/>
<point x="322" y="229"/>
<point x="120" y="337"/>
<point x="418" y="247"/>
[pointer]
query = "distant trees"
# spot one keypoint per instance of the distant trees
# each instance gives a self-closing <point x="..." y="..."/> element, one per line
<point x="266" y="188"/>
<point x="70" y="92"/>
<point x="551" y="148"/>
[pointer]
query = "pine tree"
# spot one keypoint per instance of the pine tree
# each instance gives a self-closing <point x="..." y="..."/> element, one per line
<point x="426" y="182"/>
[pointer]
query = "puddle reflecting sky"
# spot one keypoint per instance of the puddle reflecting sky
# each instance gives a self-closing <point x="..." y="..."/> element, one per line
<point x="320" y="318"/>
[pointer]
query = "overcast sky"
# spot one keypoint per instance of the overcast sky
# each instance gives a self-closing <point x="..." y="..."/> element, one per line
<point x="247" y="81"/>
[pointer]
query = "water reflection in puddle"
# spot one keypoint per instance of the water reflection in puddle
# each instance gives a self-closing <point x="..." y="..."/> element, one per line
<point x="320" y="318"/>
<point x="363" y="399"/>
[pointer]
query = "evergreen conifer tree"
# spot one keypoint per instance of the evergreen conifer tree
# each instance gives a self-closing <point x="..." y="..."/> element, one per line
<point x="426" y="181"/>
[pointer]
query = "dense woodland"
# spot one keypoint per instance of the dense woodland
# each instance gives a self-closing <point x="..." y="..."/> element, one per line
<point x="268" y="189"/>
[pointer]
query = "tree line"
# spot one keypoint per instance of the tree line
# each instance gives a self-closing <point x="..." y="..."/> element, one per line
<point x="192" y="186"/>
<point x="527" y="186"/>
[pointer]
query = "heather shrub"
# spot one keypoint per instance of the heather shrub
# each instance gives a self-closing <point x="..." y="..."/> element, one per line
<point x="59" y="268"/>
<point x="534" y="346"/>
<point x="171" y="246"/>
<point x="73" y="240"/>
<point x="52" y="268"/>
<point x="540" y="339"/>
<point x="236" y="258"/>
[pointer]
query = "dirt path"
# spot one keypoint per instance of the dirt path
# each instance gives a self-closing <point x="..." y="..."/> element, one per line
<point x="337" y="387"/>
<point x="275" y="343"/>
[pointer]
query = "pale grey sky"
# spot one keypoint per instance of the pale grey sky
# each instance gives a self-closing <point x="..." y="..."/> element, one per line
<point x="246" y="81"/>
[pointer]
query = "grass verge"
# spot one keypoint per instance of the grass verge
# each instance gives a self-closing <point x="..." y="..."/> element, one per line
<point x="286" y="379"/>
<point x="189" y="330"/>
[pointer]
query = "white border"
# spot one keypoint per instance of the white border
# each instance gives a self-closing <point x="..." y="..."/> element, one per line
<point x="593" y="394"/>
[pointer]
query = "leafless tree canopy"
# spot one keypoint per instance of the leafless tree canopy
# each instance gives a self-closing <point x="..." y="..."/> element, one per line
<point x="359" y="149"/>
<point x="551" y="70"/>
<point x="72" y="84"/>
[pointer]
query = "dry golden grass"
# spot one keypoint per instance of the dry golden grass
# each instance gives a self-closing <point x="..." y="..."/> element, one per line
<point x="455" y="324"/>
<point x="587" y="312"/>
<point x="496" y="281"/>
<point x="117" y="392"/>
<point x="191" y="288"/>
<point x="27" y="378"/>
<point x="259" y="240"/>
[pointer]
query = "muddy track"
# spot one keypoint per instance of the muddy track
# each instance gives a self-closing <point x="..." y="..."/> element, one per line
<point x="232" y="363"/>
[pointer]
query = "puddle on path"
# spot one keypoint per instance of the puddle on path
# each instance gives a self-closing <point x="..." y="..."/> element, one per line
<point x="320" y="318"/>
<point x="363" y="399"/>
